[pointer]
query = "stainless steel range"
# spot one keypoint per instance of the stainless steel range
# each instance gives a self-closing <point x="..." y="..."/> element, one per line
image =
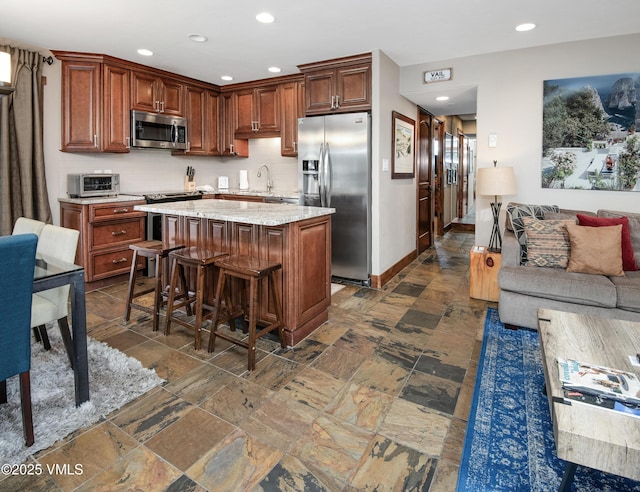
<point x="154" y="220"/>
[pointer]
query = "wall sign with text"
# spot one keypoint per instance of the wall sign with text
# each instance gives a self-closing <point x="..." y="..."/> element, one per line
<point x="437" y="75"/>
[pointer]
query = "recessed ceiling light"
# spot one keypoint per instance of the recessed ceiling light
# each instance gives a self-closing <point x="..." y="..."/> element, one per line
<point x="145" y="52"/>
<point x="525" y="27"/>
<point x="227" y="77"/>
<point x="265" y="18"/>
<point x="275" y="69"/>
<point x="442" y="98"/>
<point x="197" y="38"/>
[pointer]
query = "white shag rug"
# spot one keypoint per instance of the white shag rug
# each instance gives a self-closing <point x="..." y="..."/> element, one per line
<point x="114" y="380"/>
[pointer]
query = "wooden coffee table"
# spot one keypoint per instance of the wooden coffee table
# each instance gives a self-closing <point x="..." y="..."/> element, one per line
<point x="586" y="434"/>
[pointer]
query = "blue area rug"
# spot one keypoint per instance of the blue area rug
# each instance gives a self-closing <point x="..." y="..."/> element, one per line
<point x="509" y="444"/>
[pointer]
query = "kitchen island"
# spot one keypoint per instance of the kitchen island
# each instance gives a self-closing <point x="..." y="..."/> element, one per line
<point x="297" y="237"/>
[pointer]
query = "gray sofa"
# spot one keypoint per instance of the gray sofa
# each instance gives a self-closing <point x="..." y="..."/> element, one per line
<point x="524" y="289"/>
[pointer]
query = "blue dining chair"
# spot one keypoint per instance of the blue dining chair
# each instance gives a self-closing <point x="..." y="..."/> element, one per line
<point x="18" y="255"/>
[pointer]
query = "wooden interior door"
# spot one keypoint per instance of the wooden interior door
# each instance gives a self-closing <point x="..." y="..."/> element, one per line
<point x="424" y="182"/>
<point x="439" y="178"/>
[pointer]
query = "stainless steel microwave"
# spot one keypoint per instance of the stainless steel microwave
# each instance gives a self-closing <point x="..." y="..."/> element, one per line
<point x="158" y="131"/>
<point x="88" y="185"/>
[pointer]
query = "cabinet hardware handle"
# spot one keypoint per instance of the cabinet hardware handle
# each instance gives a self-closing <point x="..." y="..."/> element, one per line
<point x="156" y="106"/>
<point x="333" y="102"/>
<point x="95" y="141"/>
<point x="120" y="210"/>
<point x="121" y="260"/>
<point x="118" y="233"/>
<point x="295" y="146"/>
<point x="337" y="102"/>
<point x="128" y="144"/>
<point x="162" y="106"/>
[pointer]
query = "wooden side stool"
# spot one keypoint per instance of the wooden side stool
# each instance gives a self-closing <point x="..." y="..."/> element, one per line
<point x="148" y="249"/>
<point x="203" y="260"/>
<point x="251" y="271"/>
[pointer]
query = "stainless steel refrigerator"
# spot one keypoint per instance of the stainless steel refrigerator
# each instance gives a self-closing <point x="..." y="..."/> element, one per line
<point x="334" y="164"/>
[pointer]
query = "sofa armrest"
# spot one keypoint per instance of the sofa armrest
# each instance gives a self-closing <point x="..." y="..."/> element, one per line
<point x="510" y="249"/>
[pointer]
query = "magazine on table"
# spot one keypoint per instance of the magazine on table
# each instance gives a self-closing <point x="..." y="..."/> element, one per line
<point x="592" y="383"/>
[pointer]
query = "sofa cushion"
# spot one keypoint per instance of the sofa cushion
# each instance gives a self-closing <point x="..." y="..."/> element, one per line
<point x="516" y="212"/>
<point x="628" y="260"/>
<point x="595" y="250"/>
<point x="567" y="214"/>
<point x="547" y="242"/>
<point x="560" y="285"/>
<point x="634" y="228"/>
<point x="628" y="289"/>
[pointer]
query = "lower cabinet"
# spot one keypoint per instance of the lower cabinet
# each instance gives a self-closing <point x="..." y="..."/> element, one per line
<point x="303" y="248"/>
<point x="106" y="231"/>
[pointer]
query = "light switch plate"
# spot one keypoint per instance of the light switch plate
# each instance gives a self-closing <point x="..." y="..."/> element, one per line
<point x="385" y="164"/>
<point x="493" y="140"/>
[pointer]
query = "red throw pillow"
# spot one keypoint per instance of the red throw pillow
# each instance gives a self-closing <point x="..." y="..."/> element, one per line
<point x="628" y="260"/>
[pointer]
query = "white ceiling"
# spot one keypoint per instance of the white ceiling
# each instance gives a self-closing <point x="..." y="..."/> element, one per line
<point x="408" y="31"/>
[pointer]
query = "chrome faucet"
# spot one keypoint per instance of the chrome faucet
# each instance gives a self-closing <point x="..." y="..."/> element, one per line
<point x="269" y="182"/>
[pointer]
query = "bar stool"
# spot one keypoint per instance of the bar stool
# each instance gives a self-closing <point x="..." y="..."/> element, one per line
<point x="251" y="271"/>
<point x="148" y="249"/>
<point x="203" y="260"/>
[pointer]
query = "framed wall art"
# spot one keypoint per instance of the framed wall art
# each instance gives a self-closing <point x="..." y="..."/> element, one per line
<point x="589" y="139"/>
<point x="403" y="157"/>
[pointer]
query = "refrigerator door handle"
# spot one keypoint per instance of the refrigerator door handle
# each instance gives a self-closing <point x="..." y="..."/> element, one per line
<point x="321" y="176"/>
<point x="327" y="176"/>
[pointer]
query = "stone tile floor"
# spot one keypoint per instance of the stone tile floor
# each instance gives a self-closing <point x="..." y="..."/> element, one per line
<point x="375" y="399"/>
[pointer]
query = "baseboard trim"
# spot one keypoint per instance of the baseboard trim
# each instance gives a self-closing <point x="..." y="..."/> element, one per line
<point x="377" y="281"/>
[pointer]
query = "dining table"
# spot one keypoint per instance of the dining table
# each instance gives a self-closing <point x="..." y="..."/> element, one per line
<point x="50" y="273"/>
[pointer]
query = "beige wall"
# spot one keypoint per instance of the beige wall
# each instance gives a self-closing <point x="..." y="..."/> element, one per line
<point x="510" y="105"/>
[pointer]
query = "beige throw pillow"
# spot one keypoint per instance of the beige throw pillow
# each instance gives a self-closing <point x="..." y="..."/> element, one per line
<point x="596" y="250"/>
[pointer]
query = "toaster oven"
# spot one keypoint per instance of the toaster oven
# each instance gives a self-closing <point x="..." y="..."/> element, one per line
<point x="91" y="185"/>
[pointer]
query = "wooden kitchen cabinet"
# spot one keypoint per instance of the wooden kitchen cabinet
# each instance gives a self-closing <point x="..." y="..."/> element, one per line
<point x="257" y="112"/>
<point x="291" y="108"/>
<point x="338" y="86"/>
<point x="106" y="231"/>
<point x="202" y="110"/>
<point x="231" y="146"/>
<point x="95" y="104"/>
<point x="155" y="94"/>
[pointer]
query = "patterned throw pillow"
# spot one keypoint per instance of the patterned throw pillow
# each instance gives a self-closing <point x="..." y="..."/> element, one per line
<point x="548" y="243"/>
<point x="516" y="212"/>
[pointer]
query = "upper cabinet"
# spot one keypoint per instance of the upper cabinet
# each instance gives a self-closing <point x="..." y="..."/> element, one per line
<point x="155" y="94"/>
<point x="291" y="108"/>
<point x="95" y="104"/>
<point x="257" y="112"/>
<point x="231" y="146"/>
<point x="202" y="110"/>
<point x="338" y="86"/>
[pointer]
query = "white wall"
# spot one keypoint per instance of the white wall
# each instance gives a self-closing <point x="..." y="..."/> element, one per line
<point x="510" y="105"/>
<point x="394" y="200"/>
<point x="153" y="170"/>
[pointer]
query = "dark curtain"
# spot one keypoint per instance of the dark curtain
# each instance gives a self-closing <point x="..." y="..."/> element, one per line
<point x="23" y="187"/>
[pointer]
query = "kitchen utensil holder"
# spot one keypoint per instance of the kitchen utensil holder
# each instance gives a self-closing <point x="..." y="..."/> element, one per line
<point x="189" y="185"/>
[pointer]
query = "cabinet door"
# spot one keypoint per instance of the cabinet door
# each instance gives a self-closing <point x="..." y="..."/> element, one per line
<point x="290" y="112"/>
<point x="320" y="90"/>
<point x="354" y="88"/>
<point x="211" y="119"/>
<point x="116" y="122"/>
<point x="231" y="146"/>
<point x="273" y="247"/>
<point x="172" y="99"/>
<point x="267" y="111"/>
<point x="195" y="112"/>
<point x="143" y="92"/>
<point x="81" y="106"/>
<point x="244" y="113"/>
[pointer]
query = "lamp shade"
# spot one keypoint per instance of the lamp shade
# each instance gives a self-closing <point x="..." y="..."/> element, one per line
<point x="496" y="181"/>
<point x="5" y="68"/>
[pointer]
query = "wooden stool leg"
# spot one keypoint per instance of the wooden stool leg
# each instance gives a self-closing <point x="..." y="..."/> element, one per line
<point x="185" y="290"/>
<point x="157" y="294"/>
<point x="172" y="295"/>
<point x="216" y="314"/>
<point x="278" y="307"/>
<point x="253" y="315"/>
<point x="199" y="302"/>
<point x="132" y="283"/>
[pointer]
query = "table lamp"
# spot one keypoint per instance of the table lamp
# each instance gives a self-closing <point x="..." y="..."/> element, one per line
<point x="495" y="181"/>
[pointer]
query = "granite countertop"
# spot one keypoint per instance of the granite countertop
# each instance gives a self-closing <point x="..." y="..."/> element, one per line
<point x="101" y="199"/>
<point x="269" y="214"/>
<point x="264" y="193"/>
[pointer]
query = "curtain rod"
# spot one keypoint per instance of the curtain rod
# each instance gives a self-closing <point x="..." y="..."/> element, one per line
<point x="48" y="60"/>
